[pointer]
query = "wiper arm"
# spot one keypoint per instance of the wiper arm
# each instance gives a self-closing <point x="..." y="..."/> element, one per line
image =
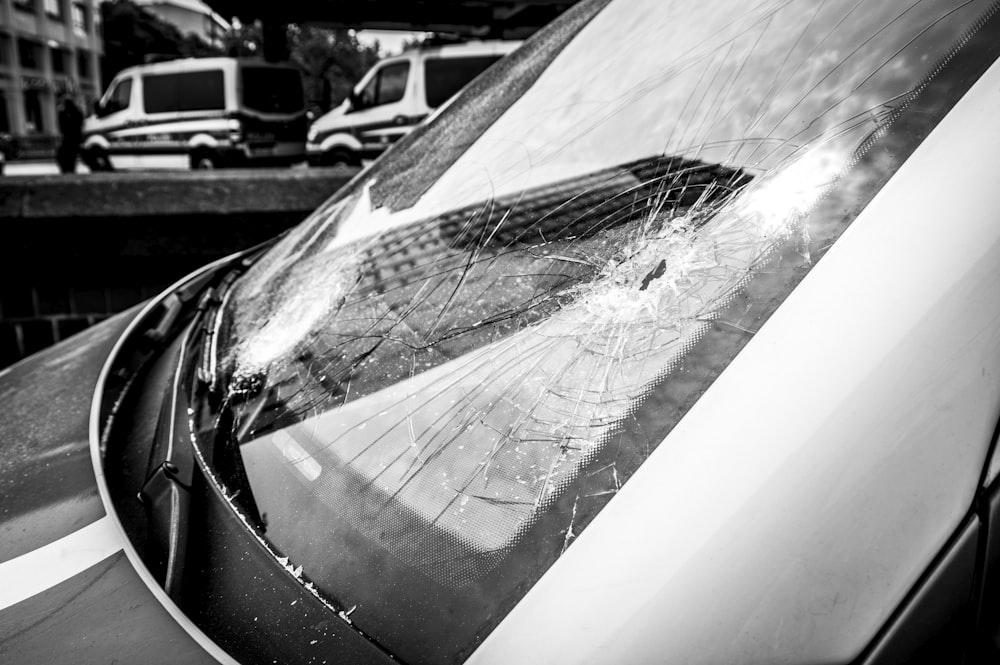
<point x="224" y="453"/>
<point x="166" y="494"/>
<point x="171" y="335"/>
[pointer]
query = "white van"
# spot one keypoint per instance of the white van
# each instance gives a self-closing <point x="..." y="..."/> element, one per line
<point x="394" y="96"/>
<point x="203" y="112"/>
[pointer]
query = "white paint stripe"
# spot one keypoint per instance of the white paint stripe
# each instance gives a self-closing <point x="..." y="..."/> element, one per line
<point x="39" y="570"/>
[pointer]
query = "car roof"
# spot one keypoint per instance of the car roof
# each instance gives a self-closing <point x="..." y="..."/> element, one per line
<point x="198" y="64"/>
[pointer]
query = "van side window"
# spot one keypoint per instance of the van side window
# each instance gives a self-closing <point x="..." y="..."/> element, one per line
<point x="387" y="86"/>
<point x="184" y="91"/>
<point x="445" y="76"/>
<point x="118" y="98"/>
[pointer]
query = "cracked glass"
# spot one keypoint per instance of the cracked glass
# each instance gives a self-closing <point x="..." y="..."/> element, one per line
<point x="433" y="385"/>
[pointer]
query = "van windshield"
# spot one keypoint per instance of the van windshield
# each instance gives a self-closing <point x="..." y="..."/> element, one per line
<point x="438" y="380"/>
<point x="271" y="89"/>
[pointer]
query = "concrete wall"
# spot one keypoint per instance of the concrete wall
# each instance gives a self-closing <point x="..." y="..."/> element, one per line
<point x="76" y="249"/>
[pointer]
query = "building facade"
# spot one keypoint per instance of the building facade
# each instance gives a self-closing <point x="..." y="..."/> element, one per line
<point x="46" y="47"/>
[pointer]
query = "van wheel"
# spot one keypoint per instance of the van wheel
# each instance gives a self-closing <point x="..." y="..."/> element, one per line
<point x="97" y="159"/>
<point x="341" y="157"/>
<point x="203" y="160"/>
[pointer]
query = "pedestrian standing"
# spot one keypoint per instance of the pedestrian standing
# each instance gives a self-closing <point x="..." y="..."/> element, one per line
<point x="71" y="131"/>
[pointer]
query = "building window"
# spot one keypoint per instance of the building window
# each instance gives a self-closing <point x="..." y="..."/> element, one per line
<point x="80" y="23"/>
<point x="29" y="54"/>
<point x="25" y="6"/>
<point x="60" y="61"/>
<point x="53" y="8"/>
<point x="4" y="51"/>
<point x="4" y="118"/>
<point x="34" y="123"/>
<point x="83" y="64"/>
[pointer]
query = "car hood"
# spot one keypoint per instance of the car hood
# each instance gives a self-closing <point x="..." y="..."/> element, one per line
<point x="68" y="593"/>
<point x="47" y="483"/>
<point x="331" y="120"/>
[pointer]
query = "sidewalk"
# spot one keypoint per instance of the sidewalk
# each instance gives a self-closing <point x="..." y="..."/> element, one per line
<point x="18" y="167"/>
<point x="37" y="167"/>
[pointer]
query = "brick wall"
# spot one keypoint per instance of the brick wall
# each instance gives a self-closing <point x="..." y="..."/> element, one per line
<point x="32" y="318"/>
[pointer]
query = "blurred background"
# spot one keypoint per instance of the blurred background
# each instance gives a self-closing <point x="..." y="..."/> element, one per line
<point x="79" y="246"/>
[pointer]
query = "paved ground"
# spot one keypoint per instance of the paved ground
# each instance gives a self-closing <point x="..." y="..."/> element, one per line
<point x="48" y="167"/>
<point x="19" y="167"/>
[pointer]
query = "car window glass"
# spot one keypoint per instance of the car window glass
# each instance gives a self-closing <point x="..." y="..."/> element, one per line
<point x="392" y="83"/>
<point x="120" y="97"/>
<point x="443" y="77"/>
<point x="184" y="91"/>
<point x="366" y="98"/>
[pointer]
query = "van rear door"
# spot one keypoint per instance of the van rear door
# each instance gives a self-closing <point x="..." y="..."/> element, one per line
<point x="272" y="111"/>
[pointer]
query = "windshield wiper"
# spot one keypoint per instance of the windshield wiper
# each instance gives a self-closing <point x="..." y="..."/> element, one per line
<point x="166" y="493"/>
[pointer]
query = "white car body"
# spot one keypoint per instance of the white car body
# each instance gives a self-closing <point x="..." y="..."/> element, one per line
<point x="348" y="134"/>
<point x="205" y="119"/>
<point x="696" y="361"/>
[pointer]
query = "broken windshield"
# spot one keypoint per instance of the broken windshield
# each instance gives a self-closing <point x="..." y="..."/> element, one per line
<point x="439" y="378"/>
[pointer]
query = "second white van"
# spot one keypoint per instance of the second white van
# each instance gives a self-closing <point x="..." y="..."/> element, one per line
<point x="394" y="96"/>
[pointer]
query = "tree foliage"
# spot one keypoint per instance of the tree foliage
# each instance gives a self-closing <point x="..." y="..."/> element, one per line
<point x="331" y="61"/>
<point x="415" y="41"/>
<point x="244" y="40"/>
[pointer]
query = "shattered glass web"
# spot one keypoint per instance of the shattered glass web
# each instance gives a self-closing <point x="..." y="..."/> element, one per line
<point x="455" y="375"/>
<point x="518" y="403"/>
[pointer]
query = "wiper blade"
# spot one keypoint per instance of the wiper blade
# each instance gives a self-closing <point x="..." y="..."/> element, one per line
<point x="213" y="305"/>
<point x="166" y="494"/>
